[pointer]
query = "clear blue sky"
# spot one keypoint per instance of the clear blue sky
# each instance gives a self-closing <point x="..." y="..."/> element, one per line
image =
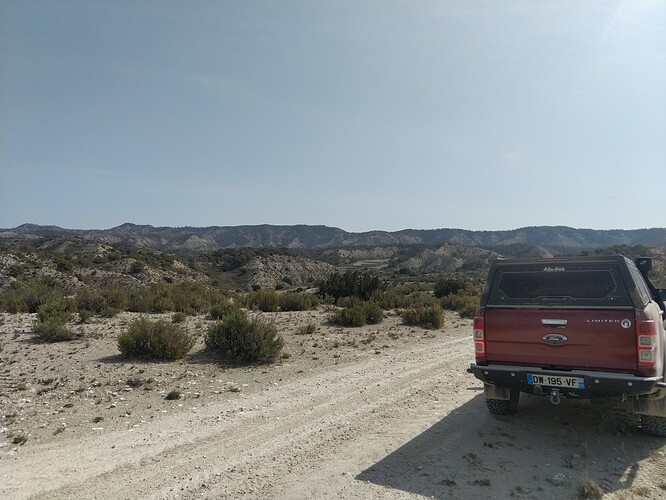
<point x="356" y="114"/>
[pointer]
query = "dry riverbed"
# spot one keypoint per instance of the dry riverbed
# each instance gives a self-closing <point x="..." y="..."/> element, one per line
<point x="384" y="411"/>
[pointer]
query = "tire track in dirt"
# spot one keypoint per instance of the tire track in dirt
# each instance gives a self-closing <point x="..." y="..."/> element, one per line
<point x="283" y="431"/>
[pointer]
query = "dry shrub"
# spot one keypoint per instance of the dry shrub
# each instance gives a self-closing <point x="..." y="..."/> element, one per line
<point x="430" y="317"/>
<point x="54" y="330"/>
<point x="154" y="340"/>
<point x="244" y="340"/>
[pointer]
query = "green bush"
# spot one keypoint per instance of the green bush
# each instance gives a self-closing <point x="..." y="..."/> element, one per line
<point x="154" y="340"/>
<point x="349" y="302"/>
<point x="349" y="316"/>
<point x="137" y="267"/>
<point x="430" y="317"/>
<point x="469" y="311"/>
<point x="116" y="298"/>
<point x="264" y="300"/>
<point x="450" y="286"/>
<point x="84" y="316"/>
<point x="64" y="264"/>
<point x="53" y="330"/>
<point x="219" y="311"/>
<point x="109" y="312"/>
<point x="358" y="315"/>
<point x="58" y="310"/>
<point x="191" y="298"/>
<point x="374" y="314"/>
<point x="465" y="305"/>
<point x="22" y="297"/>
<point x="350" y="284"/>
<point x="91" y="301"/>
<point x="244" y="340"/>
<point x="403" y="297"/>
<point x="178" y="317"/>
<point x="298" y="301"/>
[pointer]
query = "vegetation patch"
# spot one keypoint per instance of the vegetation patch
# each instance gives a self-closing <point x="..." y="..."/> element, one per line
<point x="358" y="315"/>
<point x="590" y="490"/>
<point x="431" y="317"/>
<point x="244" y="340"/>
<point x="173" y="395"/>
<point x="464" y="304"/>
<point x="264" y="300"/>
<point x="350" y="284"/>
<point x="53" y="330"/>
<point x="154" y="340"/>
<point x="308" y="329"/>
<point x="293" y="301"/>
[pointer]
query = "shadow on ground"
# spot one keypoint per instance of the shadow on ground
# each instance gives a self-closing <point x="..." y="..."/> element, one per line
<point x="544" y="451"/>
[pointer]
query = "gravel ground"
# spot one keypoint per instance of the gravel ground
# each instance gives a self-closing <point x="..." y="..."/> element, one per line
<point x="383" y="411"/>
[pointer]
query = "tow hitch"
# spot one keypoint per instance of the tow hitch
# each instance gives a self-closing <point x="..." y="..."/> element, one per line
<point x="555" y="397"/>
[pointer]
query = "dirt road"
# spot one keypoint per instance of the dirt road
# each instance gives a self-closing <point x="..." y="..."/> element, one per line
<point x="380" y="412"/>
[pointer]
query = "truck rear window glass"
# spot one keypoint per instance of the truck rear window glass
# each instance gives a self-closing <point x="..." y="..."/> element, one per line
<point x="581" y="287"/>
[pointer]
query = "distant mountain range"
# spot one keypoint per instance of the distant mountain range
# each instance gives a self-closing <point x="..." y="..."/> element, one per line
<point x="206" y="239"/>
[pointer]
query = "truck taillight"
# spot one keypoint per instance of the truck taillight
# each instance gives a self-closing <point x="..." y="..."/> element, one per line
<point x="479" y="338"/>
<point x="646" y="343"/>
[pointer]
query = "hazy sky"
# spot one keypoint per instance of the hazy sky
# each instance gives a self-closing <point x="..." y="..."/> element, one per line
<point x="356" y="114"/>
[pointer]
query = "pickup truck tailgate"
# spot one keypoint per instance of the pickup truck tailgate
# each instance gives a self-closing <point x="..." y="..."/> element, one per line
<point x="562" y="338"/>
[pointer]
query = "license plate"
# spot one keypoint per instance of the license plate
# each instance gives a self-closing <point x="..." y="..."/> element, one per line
<point x="555" y="381"/>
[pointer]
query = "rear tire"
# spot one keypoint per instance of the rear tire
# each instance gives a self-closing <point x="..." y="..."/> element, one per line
<point x="655" y="426"/>
<point x="504" y="406"/>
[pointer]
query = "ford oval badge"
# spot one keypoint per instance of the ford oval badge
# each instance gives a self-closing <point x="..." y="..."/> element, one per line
<point x="555" y="338"/>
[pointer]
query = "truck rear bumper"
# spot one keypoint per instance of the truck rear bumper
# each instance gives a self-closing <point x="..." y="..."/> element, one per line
<point x="596" y="384"/>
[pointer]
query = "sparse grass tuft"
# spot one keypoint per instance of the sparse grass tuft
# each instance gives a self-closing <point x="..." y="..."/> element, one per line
<point x="173" y="395"/>
<point x="590" y="490"/>
<point x="642" y="491"/>
<point x="178" y="317"/>
<point x="19" y="439"/>
<point x="308" y="329"/>
<point x="134" y="382"/>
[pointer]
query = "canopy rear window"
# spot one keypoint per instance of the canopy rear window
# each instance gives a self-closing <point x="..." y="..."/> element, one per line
<point x="575" y="286"/>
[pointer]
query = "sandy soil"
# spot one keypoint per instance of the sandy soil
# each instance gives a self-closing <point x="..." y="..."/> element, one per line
<point x="378" y="412"/>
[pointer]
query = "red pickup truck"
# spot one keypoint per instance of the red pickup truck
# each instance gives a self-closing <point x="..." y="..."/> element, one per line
<point x="577" y="327"/>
